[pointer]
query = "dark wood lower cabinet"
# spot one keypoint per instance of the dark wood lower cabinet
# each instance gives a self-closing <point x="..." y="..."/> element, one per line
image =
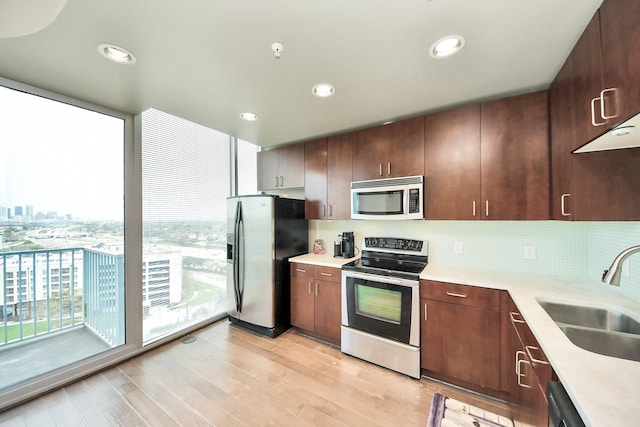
<point x="460" y="332"/>
<point x="525" y="369"/>
<point x="316" y="301"/>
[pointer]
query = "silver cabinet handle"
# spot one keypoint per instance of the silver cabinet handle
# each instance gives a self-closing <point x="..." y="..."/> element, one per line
<point x="316" y="288"/>
<point x="453" y="294"/>
<point x="425" y="312"/>
<point x="310" y="286"/>
<point x="593" y="113"/>
<point x="519" y="373"/>
<point x="324" y="211"/>
<point x="281" y="181"/>
<point x="602" y="106"/>
<point x="330" y="211"/>
<point x="562" y="205"/>
<point x="277" y="182"/>
<point x="389" y="168"/>
<point x="380" y="169"/>
<point x="301" y="270"/>
<point x="533" y="359"/>
<point x="513" y="315"/>
<point x="486" y="208"/>
<point x="322" y="273"/>
<point x="474" y="208"/>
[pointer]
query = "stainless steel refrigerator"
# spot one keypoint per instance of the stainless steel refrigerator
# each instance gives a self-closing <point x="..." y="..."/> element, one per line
<point x="263" y="232"/>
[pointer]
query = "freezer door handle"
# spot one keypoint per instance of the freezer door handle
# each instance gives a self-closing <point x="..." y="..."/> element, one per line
<point x="238" y="248"/>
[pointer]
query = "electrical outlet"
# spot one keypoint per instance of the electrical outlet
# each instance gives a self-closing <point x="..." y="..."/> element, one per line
<point x="458" y="248"/>
<point x="529" y="252"/>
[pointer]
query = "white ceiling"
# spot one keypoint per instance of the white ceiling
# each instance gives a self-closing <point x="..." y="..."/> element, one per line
<point x="209" y="60"/>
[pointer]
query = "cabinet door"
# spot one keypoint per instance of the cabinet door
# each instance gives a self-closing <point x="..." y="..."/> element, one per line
<point x="268" y="178"/>
<point x="339" y="155"/>
<point x="514" y="135"/>
<point x="291" y="166"/>
<point x="461" y="342"/>
<point x="586" y="58"/>
<point x="621" y="57"/>
<point x="302" y="296"/>
<point x="607" y="185"/>
<point x="405" y="148"/>
<point x="452" y="164"/>
<point x="562" y="121"/>
<point x="315" y="179"/>
<point x="389" y="151"/>
<point x="328" y="310"/>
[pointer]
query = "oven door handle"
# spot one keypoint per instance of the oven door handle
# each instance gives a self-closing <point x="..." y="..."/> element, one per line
<point x="382" y="279"/>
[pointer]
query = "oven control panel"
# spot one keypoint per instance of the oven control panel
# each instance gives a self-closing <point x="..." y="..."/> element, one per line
<point x="393" y="243"/>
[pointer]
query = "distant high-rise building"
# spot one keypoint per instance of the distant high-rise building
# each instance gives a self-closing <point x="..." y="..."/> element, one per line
<point x="9" y="216"/>
<point x="52" y="215"/>
<point x="4" y="213"/>
<point x="29" y="211"/>
<point x="18" y="211"/>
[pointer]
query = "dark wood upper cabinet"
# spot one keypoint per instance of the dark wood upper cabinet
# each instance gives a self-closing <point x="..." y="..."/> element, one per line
<point x="602" y="67"/>
<point x="328" y="177"/>
<point x="315" y="179"/>
<point x="586" y="84"/>
<point x="620" y="40"/>
<point x="268" y="178"/>
<point x="452" y="164"/>
<point x="563" y="123"/>
<point x="281" y="168"/>
<point x="339" y="159"/>
<point x="489" y="161"/>
<point x="607" y="185"/>
<point x="389" y="151"/>
<point x="514" y="152"/>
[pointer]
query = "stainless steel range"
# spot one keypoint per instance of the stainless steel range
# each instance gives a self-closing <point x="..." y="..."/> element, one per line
<point x="381" y="303"/>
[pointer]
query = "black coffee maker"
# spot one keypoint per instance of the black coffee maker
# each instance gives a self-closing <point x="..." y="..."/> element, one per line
<point x="344" y="247"/>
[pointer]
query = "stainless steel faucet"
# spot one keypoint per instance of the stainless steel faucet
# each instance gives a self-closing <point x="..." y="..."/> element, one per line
<point x="612" y="275"/>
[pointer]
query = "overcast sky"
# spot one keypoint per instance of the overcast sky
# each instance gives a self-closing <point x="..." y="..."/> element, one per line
<point x="57" y="157"/>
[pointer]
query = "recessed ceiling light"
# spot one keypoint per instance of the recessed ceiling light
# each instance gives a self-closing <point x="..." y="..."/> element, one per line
<point x="323" y="90"/>
<point x="250" y="117"/>
<point x="622" y="130"/>
<point x="446" y="46"/>
<point x="117" y="54"/>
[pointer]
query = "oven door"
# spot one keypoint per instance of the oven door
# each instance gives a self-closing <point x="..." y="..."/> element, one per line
<point x="384" y="306"/>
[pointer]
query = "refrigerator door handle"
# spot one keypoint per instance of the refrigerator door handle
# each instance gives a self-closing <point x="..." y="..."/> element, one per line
<point x="237" y="285"/>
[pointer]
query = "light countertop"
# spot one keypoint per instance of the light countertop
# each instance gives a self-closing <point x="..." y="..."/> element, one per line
<point x="324" y="260"/>
<point x="605" y="390"/>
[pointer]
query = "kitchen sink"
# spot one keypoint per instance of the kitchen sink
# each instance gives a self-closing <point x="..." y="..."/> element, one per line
<point x="591" y="317"/>
<point x="600" y="330"/>
<point x="607" y="343"/>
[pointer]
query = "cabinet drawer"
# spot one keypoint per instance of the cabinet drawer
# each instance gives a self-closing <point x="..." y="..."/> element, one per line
<point x="302" y="270"/>
<point x="534" y="353"/>
<point x="460" y="294"/>
<point x="328" y="274"/>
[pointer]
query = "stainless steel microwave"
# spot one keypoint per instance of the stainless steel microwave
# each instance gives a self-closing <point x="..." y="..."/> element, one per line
<point x="391" y="198"/>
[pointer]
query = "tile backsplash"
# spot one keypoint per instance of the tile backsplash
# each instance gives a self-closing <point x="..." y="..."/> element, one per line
<point x="583" y="249"/>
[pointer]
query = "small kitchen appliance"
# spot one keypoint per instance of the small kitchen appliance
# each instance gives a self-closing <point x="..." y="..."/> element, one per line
<point x="344" y="247"/>
<point x="381" y="303"/>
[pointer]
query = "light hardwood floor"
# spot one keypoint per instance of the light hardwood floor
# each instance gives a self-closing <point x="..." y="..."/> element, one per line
<point x="233" y="377"/>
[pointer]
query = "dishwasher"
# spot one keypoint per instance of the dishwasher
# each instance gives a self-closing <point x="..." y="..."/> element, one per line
<point x="562" y="413"/>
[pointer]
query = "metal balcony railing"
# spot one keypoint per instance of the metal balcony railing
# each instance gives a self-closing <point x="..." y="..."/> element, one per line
<point x="47" y="291"/>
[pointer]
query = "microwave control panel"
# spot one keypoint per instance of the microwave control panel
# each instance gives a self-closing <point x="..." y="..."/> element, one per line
<point x="414" y="200"/>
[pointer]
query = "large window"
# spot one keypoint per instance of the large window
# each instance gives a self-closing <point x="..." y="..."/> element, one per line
<point x="61" y="234"/>
<point x="185" y="183"/>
